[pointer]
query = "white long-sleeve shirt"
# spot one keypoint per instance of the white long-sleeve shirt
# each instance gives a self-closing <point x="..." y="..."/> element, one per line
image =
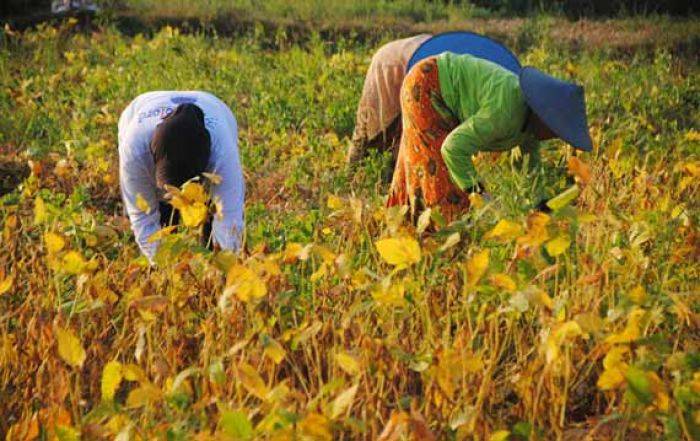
<point x="137" y="169"/>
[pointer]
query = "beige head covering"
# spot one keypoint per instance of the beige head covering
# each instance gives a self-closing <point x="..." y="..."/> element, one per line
<point x="380" y="103"/>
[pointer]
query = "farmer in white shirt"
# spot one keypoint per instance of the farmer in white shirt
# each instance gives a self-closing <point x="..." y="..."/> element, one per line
<point x="168" y="138"/>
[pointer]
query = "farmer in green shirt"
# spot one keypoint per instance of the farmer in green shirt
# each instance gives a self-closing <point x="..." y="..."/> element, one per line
<point x="454" y="106"/>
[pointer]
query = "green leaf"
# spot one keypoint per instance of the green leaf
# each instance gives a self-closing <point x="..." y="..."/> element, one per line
<point x="638" y="384"/>
<point x="216" y="372"/>
<point x="67" y="433"/>
<point x="563" y="199"/>
<point x="522" y="429"/>
<point x="236" y="425"/>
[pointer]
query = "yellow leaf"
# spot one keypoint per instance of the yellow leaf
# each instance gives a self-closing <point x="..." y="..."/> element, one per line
<point x="326" y="254"/>
<point x="158" y="235"/>
<point x="274" y="351"/>
<point x="69" y="347"/>
<point x="557" y="246"/>
<point x="451" y="367"/>
<point x="39" y="210"/>
<point x="143" y="396"/>
<point x="504" y="231"/>
<point x="692" y="135"/>
<point x="503" y="281"/>
<point x="537" y="296"/>
<point x="111" y="377"/>
<point x="194" y="192"/>
<point x="499" y="435"/>
<point x="293" y="251"/>
<point x="389" y="294"/>
<point x="476" y="200"/>
<point x="193" y="215"/>
<point x="269" y="267"/>
<point x="472" y="364"/>
<point x="117" y="424"/>
<point x="587" y="218"/>
<point x="685" y="183"/>
<point x="559" y="335"/>
<point x="245" y="283"/>
<point x="54" y="242"/>
<point x="142" y="204"/>
<point x="343" y="401"/>
<point x="536" y="230"/>
<point x="476" y="267"/>
<point x="132" y="372"/>
<point x="6" y="284"/>
<point x="401" y="252"/>
<point x="334" y="202"/>
<point x="661" y="399"/>
<point x="613" y="359"/>
<point x="348" y="363"/>
<point x="692" y="168"/>
<point x="567" y="330"/>
<point x="579" y="169"/>
<point x="73" y="263"/>
<point x="613" y="375"/>
<point x="611" y="379"/>
<point x="631" y="331"/>
<point x="315" y="427"/>
<point x="251" y="380"/>
<point x="91" y="240"/>
<point x="319" y="273"/>
<point x="638" y="295"/>
<point x="589" y="322"/>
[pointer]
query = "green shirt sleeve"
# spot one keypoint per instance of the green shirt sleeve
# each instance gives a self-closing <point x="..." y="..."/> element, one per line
<point x="478" y="131"/>
<point x="488" y="100"/>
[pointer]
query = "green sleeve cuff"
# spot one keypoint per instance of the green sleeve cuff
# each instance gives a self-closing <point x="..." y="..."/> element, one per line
<point x="459" y="165"/>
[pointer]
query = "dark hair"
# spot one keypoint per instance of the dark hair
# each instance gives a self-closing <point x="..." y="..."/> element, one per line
<point x="181" y="146"/>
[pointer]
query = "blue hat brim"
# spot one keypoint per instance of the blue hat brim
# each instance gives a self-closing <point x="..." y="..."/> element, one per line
<point x="460" y="42"/>
<point x="559" y="104"/>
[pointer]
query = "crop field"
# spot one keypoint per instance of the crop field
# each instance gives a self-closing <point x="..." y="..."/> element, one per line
<point x="342" y="319"/>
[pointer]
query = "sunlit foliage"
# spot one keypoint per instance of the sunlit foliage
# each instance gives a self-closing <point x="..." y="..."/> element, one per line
<point x="343" y="319"/>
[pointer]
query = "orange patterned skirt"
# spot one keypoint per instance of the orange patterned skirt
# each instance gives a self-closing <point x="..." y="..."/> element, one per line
<point x="421" y="179"/>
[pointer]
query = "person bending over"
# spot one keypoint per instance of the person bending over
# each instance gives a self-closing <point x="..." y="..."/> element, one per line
<point x="454" y="106"/>
<point x="378" y="120"/>
<point x="169" y="138"/>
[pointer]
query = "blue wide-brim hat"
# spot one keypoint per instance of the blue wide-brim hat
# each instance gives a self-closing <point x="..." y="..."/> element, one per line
<point x="559" y="104"/>
<point x="462" y="42"/>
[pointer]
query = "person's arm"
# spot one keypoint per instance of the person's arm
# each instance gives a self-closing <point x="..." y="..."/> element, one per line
<point x="463" y="142"/>
<point x="137" y="181"/>
<point x="228" y="226"/>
